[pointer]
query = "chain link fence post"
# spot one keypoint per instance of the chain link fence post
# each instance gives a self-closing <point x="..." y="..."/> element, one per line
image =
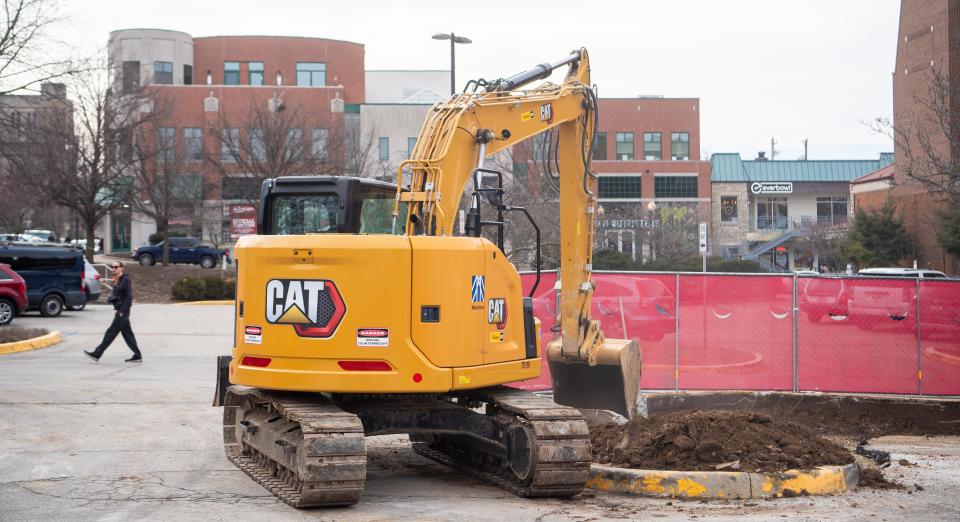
<point x="676" y="337"/>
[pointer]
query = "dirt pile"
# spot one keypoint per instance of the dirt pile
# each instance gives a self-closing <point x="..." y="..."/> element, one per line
<point x="712" y="441"/>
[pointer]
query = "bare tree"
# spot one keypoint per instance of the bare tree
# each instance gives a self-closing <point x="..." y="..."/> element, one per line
<point x="163" y="184"/>
<point x="272" y="140"/>
<point x="25" y="45"/>
<point x="929" y="140"/>
<point x="928" y="149"/>
<point x="360" y="147"/>
<point x="70" y="156"/>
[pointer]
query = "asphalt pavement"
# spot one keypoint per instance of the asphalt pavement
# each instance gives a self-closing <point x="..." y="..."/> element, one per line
<point x="81" y="440"/>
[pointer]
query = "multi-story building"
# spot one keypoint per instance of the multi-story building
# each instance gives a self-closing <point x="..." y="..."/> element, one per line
<point x="647" y="157"/>
<point x="928" y="46"/>
<point x="21" y="115"/>
<point x="218" y="102"/>
<point x="780" y="212"/>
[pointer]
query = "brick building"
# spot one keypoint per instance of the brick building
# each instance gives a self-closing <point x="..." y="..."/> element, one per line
<point x="208" y="94"/>
<point x="647" y="157"/>
<point x="928" y="40"/>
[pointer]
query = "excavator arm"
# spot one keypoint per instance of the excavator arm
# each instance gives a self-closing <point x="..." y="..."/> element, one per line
<point x="588" y="370"/>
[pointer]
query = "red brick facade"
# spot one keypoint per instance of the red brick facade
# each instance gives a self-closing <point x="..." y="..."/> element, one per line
<point x="928" y="39"/>
<point x="663" y="115"/>
<point x="344" y="60"/>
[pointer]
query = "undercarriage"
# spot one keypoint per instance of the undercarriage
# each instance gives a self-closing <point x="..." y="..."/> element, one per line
<point x="309" y="449"/>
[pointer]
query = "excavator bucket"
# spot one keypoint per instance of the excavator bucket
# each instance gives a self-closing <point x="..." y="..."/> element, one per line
<point x="611" y="383"/>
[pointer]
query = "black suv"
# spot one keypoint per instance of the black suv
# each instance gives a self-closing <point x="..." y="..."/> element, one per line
<point x="187" y="250"/>
<point x="54" y="275"/>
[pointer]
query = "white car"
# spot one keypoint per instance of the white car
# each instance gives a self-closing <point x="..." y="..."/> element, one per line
<point x="903" y="272"/>
<point x="83" y="244"/>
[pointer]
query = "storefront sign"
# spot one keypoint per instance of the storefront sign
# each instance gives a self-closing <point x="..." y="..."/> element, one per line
<point x="628" y="223"/>
<point x="771" y="187"/>
<point x="243" y="221"/>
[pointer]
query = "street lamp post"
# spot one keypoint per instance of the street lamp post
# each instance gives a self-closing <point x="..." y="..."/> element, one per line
<point x="454" y="39"/>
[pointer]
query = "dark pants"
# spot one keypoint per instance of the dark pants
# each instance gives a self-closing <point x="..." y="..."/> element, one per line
<point x="120" y="325"/>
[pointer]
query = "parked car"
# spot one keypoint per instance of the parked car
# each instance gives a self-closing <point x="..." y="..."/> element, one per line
<point x="902" y="272"/>
<point x="13" y="294"/>
<point x="22" y="238"/>
<point x="187" y="250"/>
<point x="46" y="235"/>
<point x="82" y="243"/>
<point x="54" y="275"/>
<point x="91" y="287"/>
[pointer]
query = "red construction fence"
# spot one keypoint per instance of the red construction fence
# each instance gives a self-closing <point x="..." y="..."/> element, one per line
<point x="776" y="332"/>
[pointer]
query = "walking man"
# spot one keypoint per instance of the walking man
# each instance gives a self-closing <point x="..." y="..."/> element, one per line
<point x="122" y="299"/>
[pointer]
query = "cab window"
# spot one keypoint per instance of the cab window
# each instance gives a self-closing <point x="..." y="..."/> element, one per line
<point x="294" y="215"/>
<point x="376" y="213"/>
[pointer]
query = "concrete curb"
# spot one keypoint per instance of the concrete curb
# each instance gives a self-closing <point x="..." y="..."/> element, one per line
<point x="205" y="303"/>
<point x="825" y="480"/>
<point x="36" y="343"/>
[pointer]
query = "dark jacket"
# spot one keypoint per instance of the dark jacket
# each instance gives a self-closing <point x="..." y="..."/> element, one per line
<point x="122" y="296"/>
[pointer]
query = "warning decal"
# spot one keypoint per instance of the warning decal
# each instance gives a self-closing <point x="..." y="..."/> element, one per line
<point x="253" y="335"/>
<point x="373" y="337"/>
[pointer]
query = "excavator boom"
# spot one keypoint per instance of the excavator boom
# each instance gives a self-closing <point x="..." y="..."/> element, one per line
<point x="588" y="370"/>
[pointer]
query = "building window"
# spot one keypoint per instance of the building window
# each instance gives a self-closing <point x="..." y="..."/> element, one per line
<point x="230" y="145"/>
<point x="187" y="187"/>
<point x="294" y="145"/>
<point x="163" y="73"/>
<point x="675" y="187"/>
<point x="521" y="169"/>
<point x="313" y="74"/>
<point x="187" y="74"/>
<point x="318" y="143"/>
<point x="231" y="73"/>
<point x="652" y="146"/>
<point x="680" y="146"/>
<point x="540" y="145"/>
<point x="624" y="146"/>
<point x="411" y="144"/>
<point x="831" y="210"/>
<point x="619" y="187"/>
<point x="165" y="143"/>
<point x="131" y="76"/>
<point x="258" y="147"/>
<point x="255" y="73"/>
<point x="193" y="143"/>
<point x="239" y="187"/>
<point x="384" y="149"/>
<point x="600" y="146"/>
<point x="728" y="209"/>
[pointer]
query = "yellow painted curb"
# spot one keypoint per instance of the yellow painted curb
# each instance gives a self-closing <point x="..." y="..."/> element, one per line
<point x="204" y="303"/>
<point x="31" y="344"/>
<point x="825" y="480"/>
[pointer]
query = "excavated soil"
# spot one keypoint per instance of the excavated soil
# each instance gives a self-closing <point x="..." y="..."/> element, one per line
<point x="712" y="441"/>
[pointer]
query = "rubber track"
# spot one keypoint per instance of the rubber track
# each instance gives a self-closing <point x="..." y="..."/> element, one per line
<point x="334" y="458"/>
<point x="562" y="446"/>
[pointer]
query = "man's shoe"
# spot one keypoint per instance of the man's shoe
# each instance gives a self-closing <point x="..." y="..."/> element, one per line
<point x="92" y="356"/>
<point x="135" y="358"/>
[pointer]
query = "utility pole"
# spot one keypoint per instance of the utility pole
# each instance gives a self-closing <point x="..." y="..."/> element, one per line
<point x="773" y="149"/>
<point x="805" y="140"/>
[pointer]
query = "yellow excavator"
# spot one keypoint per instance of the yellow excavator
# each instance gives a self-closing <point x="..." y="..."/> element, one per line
<point x="361" y="310"/>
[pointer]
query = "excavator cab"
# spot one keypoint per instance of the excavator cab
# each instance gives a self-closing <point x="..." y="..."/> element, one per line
<point x="295" y="205"/>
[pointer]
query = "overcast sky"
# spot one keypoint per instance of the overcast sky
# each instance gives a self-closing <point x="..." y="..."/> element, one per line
<point x="762" y="68"/>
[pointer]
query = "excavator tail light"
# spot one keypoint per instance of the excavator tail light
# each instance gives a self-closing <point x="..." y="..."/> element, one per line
<point x="365" y="366"/>
<point x="259" y="362"/>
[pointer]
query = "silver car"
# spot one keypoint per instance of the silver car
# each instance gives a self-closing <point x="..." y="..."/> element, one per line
<point x="91" y="285"/>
